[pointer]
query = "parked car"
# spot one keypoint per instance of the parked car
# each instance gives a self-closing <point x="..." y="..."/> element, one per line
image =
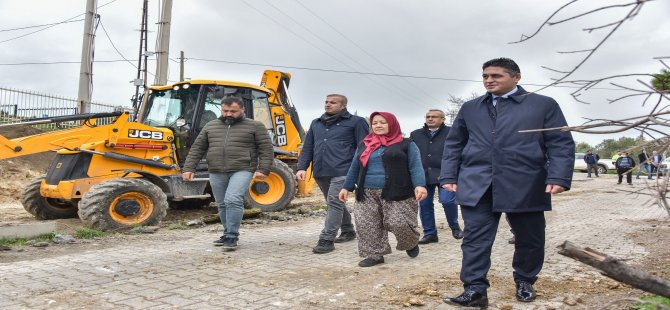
<point x="604" y="164"/>
<point x="663" y="167"/>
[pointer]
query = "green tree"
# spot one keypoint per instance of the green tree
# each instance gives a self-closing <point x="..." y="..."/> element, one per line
<point x="609" y="147"/>
<point x="582" y="147"/>
<point x="661" y="81"/>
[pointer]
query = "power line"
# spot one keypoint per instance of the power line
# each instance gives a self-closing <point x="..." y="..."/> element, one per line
<point x="401" y="94"/>
<point x="114" y="46"/>
<point x="43" y="25"/>
<point x="54" y="24"/>
<point x="337" y="71"/>
<point x="334" y="47"/>
<point x="59" y="62"/>
<point x="361" y="48"/>
<point x="420" y="77"/>
<point x="320" y="49"/>
<point x="301" y="68"/>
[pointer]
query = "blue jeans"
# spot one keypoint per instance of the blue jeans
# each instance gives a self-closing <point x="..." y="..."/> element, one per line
<point x="427" y="209"/>
<point x="644" y="167"/>
<point x="229" y="189"/>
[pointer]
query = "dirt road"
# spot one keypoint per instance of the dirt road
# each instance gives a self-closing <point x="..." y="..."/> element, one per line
<point x="274" y="267"/>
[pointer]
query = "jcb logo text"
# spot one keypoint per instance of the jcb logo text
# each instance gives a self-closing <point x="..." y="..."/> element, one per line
<point x="145" y="134"/>
<point x="281" y="130"/>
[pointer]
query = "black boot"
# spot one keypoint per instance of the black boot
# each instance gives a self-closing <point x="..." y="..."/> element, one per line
<point x="457" y="233"/>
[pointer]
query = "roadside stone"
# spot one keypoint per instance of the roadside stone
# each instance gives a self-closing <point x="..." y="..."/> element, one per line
<point x="504" y="306"/>
<point x="197" y="222"/>
<point x="62" y="239"/>
<point x="5" y="248"/>
<point x="40" y="244"/>
<point x="144" y="230"/>
<point x="211" y="219"/>
<point x="570" y="301"/>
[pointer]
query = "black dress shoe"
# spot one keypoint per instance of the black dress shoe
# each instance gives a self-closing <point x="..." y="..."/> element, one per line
<point x="457" y="233"/>
<point x="345" y="236"/>
<point x="469" y="298"/>
<point x="371" y="261"/>
<point x="428" y="239"/>
<point x="413" y="252"/>
<point x="525" y="291"/>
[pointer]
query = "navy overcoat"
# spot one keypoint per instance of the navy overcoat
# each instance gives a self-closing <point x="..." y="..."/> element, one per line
<point x="485" y="148"/>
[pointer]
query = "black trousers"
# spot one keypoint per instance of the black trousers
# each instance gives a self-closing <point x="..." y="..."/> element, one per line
<point x="481" y="225"/>
<point x="628" y="172"/>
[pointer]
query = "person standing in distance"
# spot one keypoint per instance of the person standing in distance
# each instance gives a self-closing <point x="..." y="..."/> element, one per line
<point x="329" y="146"/>
<point x="237" y="149"/>
<point x="430" y="140"/>
<point x="494" y="168"/>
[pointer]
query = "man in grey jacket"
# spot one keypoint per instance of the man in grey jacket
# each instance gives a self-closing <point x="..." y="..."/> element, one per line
<point x="237" y="149"/>
<point x="329" y="146"/>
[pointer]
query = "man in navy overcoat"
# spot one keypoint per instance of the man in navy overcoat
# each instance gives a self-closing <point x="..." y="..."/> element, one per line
<point x="494" y="168"/>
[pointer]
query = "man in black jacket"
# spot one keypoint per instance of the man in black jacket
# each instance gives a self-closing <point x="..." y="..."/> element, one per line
<point x="430" y="140"/>
<point x="329" y="146"/>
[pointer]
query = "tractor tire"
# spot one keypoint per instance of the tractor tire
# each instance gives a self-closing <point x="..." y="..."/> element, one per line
<point x="123" y="203"/>
<point x="45" y="208"/>
<point x="275" y="192"/>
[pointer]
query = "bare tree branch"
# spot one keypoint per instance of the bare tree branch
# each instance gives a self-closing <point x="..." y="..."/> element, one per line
<point x="525" y="37"/>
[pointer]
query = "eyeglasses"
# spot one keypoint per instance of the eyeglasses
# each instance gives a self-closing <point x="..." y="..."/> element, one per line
<point x="433" y="116"/>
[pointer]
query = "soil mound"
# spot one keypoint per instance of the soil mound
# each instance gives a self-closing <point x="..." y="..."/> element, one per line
<point x="16" y="172"/>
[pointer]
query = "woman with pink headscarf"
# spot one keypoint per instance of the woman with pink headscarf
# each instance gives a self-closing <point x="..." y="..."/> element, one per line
<point x="388" y="178"/>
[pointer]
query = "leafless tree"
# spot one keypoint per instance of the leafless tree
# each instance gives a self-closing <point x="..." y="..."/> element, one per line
<point x="654" y="125"/>
<point x="455" y="104"/>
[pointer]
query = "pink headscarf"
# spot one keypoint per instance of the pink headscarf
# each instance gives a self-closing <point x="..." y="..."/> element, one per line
<point x="373" y="141"/>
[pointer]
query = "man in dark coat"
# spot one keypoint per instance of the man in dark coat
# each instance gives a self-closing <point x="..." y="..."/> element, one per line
<point x="591" y="159"/>
<point x="495" y="168"/>
<point x="329" y="146"/>
<point x="430" y="140"/>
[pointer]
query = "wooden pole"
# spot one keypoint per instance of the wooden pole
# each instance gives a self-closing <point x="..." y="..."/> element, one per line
<point x="616" y="269"/>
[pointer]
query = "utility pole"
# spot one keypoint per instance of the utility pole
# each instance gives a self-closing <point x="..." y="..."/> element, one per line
<point x="181" y="66"/>
<point x="141" y="65"/>
<point x="86" y="67"/>
<point x="163" y="51"/>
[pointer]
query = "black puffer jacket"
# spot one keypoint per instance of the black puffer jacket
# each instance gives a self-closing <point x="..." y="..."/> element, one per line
<point x="244" y="145"/>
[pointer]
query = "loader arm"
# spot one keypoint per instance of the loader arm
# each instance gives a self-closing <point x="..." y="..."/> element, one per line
<point x="62" y="139"/>
<point x="288" y="128"/>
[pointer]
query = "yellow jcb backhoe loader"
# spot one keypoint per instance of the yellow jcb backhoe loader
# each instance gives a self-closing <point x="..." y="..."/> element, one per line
<point x="127" y="173"/>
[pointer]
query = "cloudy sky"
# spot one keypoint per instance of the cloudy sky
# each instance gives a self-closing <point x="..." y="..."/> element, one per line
<point x="441" y="44"/>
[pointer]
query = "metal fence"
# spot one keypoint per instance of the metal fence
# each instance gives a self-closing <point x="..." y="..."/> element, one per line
<point x="18" y="106"/>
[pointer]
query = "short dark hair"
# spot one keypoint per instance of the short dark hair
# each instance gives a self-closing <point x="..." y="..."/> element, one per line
<point x="508" y="64"/>
<point x="230" y="100"/>
<point x="343" y="97"/>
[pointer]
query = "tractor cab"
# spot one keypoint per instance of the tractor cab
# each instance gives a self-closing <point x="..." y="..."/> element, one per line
<point x="186" y="107"/>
